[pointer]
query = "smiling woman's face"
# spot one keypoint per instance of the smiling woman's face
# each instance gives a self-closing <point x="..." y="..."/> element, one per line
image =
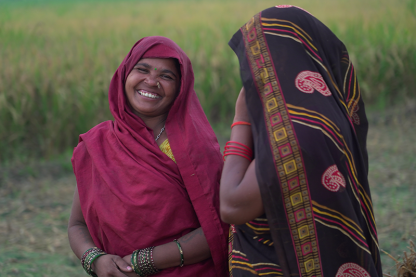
<point x="146" y="98"/>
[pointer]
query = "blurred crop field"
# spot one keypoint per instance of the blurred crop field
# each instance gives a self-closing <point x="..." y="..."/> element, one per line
<point x="57" y="59"/>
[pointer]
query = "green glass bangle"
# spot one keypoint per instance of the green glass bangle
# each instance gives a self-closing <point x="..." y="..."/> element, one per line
<point x="88" y="258"/>
<point x="93" y="259"/>
<point x="87" y="263"/>
<point x="180" y="251"/>
<point x="88" y="251"/>
<point x="134" y="263"/>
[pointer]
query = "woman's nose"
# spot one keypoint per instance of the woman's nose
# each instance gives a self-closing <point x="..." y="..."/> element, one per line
<point x="151" y="80"/>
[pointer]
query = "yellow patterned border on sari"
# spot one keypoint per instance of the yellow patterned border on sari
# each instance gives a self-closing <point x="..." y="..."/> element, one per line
<point x="286" y="151"/>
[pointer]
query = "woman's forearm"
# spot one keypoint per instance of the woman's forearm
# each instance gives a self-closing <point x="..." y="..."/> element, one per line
<point x="79" y="239"/>
<point x="194" y="246"/>
<point x="78" y="234"/>
<point x="240" y="199"/>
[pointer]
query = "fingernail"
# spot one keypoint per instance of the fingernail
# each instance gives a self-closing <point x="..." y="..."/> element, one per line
<point x="129" y="268"/>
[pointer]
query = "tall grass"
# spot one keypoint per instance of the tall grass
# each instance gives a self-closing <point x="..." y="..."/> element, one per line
<point x="57" y="58"/>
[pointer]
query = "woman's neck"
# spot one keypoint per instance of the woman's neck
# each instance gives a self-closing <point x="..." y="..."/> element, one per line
<point x="156" y="124"/>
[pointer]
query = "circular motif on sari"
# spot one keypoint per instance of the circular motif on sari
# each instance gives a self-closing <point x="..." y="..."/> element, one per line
<point x="332" y="178"/>
<point x="352" y="270"/>
<point x="284" y="6"/>
<point x="308" y="81"/>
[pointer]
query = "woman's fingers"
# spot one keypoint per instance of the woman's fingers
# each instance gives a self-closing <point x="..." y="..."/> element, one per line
<point x="123" y="263"/>
<point x="241" y="112"/>
<point x="110" y="266"/>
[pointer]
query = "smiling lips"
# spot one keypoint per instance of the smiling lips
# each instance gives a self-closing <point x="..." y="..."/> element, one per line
<point x="148" y="94"/>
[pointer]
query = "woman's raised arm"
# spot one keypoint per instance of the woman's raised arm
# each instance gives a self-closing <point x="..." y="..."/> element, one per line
<point x="240" y="199"/>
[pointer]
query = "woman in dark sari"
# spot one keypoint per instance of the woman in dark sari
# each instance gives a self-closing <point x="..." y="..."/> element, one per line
<point x="294" y="184"/>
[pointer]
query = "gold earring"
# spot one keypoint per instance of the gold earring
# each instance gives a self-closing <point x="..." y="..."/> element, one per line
<point x="158" y="84"/>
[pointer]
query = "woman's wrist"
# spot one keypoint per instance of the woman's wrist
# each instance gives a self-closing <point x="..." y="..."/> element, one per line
<point x="151" y="260"/>
<point x="142" y="262"/>
<point x="242" y="134"/>
<point x="239" y="122"/>
<point x="89" y="258"/>
<point x="166" y="255"/>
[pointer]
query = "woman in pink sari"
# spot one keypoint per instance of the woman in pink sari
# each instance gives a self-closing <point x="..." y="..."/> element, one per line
<point x="146" y="200"/>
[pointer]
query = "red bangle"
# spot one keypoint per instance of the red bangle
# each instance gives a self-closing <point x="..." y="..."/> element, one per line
<point x="243" y="151"/>
<point x="248" y="149"/>
<point x="237" y="151"/>
<point x="232" y="153"/>
<point x="240" y="123"/>
<point x="236" y="147"/>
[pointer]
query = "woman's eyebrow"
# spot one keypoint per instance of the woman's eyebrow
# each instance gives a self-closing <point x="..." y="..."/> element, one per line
<point x="169" y="71"/>
<point x="143" y="64"/>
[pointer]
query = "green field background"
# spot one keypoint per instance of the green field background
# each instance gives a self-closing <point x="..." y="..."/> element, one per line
<point x="57" y="59"/>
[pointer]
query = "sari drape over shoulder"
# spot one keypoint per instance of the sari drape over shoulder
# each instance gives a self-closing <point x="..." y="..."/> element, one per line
<point x="309" y="128"/>
<point x="132" y="194"/>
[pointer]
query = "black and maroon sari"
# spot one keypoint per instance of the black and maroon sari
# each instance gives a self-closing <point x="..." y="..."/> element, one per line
<point x="309" y="128"/>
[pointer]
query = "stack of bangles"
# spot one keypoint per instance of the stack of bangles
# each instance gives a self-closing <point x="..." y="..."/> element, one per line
<point x="237" y="148"/>
<point x="142" y="260"/>
<point x="89" y="257"/>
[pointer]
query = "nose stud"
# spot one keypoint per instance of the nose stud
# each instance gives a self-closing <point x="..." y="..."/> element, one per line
<point x="158" y="84"/>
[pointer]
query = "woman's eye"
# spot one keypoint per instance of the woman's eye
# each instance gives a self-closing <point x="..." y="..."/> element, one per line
<point x="141" y="69"/>
<point x="167" y="77"/>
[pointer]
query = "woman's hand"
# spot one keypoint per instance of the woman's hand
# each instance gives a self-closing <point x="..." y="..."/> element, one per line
<point x="80" y="240"/>
<point x="127" y="259"/>
<point x="131" y="273"/>
<point x="112" y="266"/>
<point x="241" y="111"/>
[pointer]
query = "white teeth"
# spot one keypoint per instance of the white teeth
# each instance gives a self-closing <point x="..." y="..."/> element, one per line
<point x="147" y="94"/>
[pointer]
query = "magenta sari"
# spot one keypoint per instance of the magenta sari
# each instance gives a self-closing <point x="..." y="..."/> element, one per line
<point x="133" y="195"/>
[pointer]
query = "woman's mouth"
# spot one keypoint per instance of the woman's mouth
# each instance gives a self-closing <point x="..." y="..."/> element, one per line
<point x="148" y="94"/>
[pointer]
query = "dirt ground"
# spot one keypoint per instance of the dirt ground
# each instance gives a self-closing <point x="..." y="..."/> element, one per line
<point x="35" y="202"/>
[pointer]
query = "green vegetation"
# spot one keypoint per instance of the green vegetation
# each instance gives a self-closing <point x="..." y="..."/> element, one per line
<point x="58" y="58"/>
